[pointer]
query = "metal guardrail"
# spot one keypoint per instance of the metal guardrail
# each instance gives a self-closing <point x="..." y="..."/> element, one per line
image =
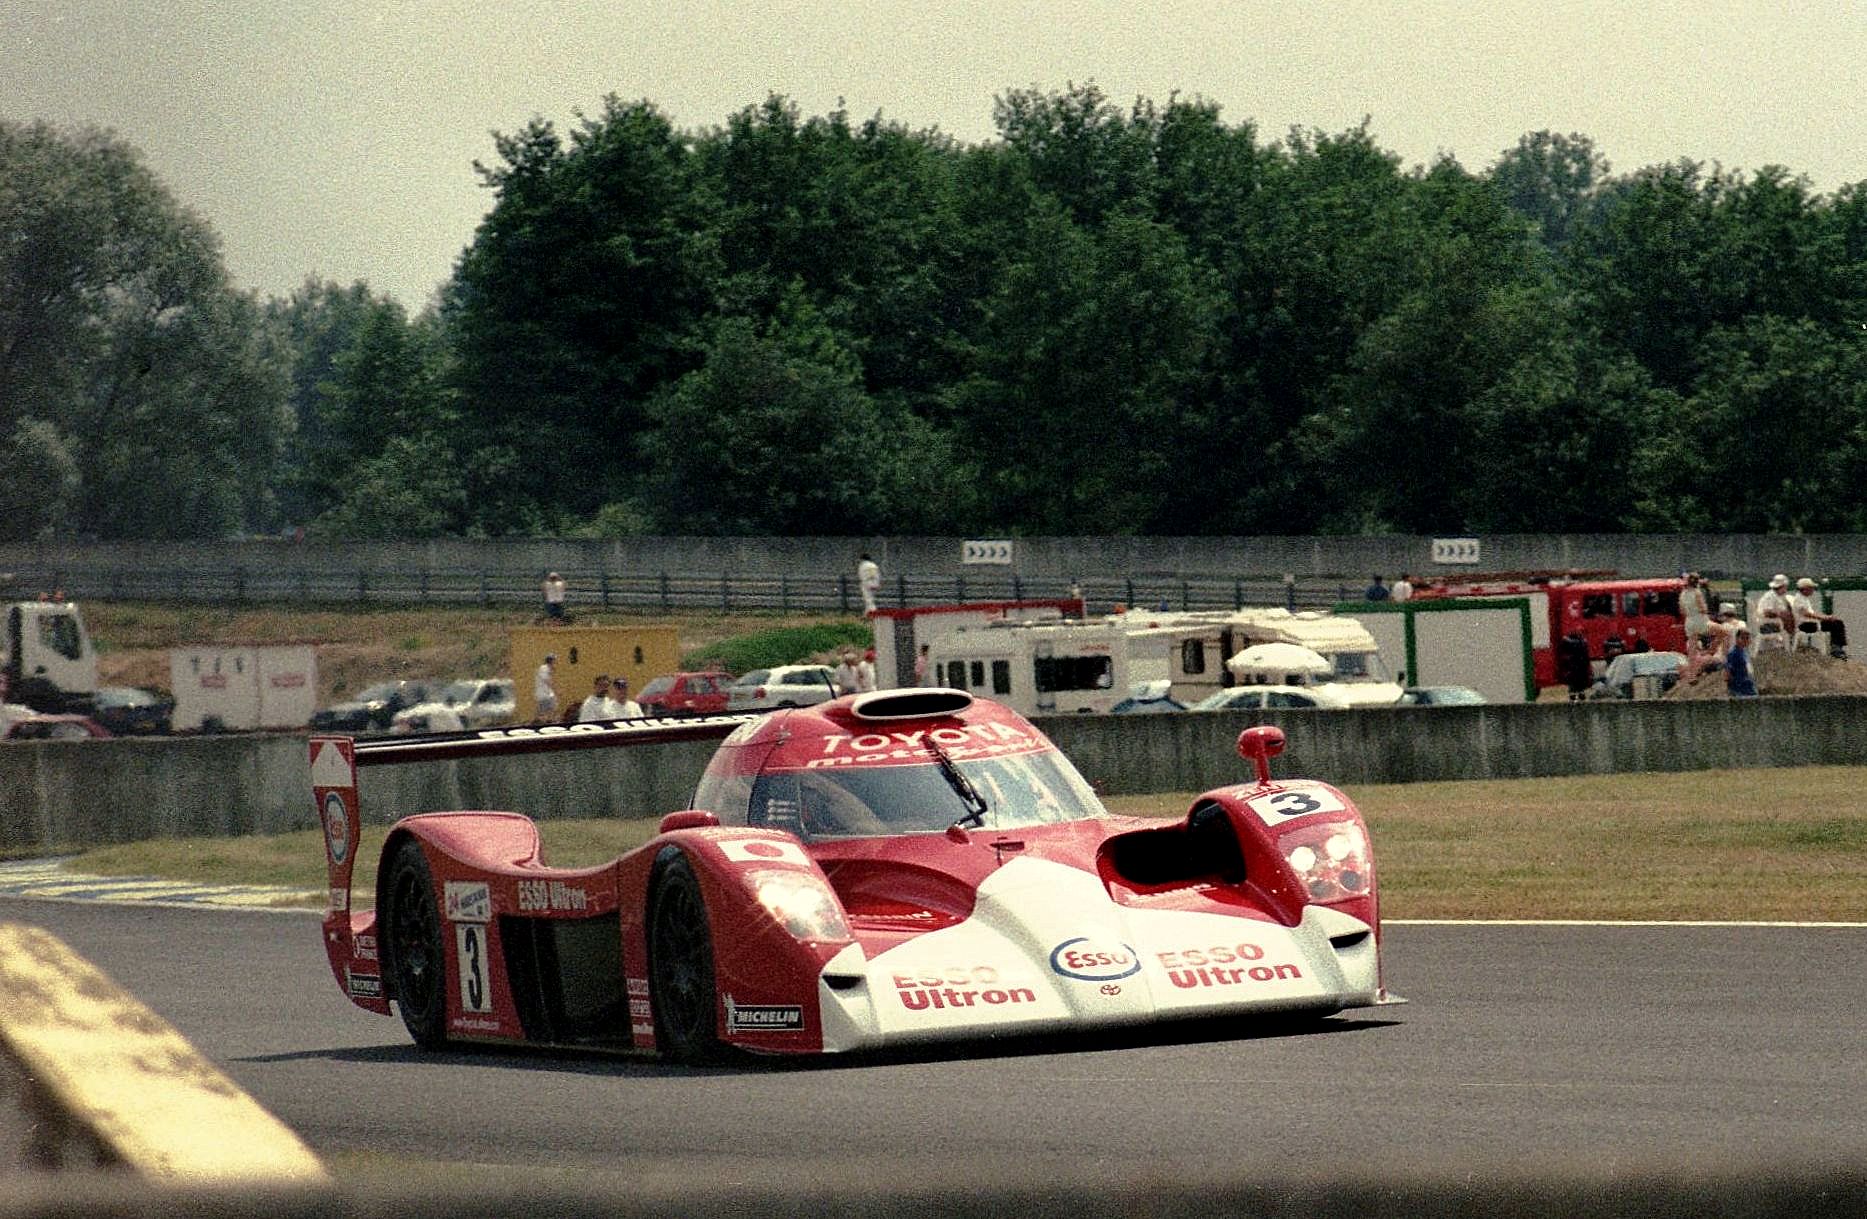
<point x="662" y="592"/>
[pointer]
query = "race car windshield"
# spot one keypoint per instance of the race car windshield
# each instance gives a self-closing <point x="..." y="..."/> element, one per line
<point x="867" y="801"/>
<point x="976" y="807"/>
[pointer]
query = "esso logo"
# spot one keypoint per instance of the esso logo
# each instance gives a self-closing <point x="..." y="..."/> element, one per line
<point x="336" y="827"/>
<point x="1094" y="961"/>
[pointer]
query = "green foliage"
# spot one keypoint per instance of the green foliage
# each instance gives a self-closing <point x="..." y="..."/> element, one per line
<point x="122" y="344"/>
<point x="781" y="646"/>
<point x="775" y="433"/>
<point x="572" y="307"/>
<point x="1107" y="319"/>
<point x="1553" y="180"/>
<point x="38" y="480"/>
<point x="623" y="518"/>
<point x="411" y="489"/>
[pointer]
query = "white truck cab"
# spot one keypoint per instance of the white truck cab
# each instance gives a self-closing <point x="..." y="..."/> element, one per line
<point x="47" y="658"/>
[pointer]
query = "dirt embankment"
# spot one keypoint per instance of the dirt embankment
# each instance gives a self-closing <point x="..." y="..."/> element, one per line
<point x="1783" y="673"/>
<point x="360" y="646"/>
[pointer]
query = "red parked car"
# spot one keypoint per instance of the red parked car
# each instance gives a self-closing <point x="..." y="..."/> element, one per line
<point x="686" y="694"/>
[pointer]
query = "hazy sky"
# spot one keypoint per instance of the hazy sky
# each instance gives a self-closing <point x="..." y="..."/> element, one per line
<point x="336" y="137"/>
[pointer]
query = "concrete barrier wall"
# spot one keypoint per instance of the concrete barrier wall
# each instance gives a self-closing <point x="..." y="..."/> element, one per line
<point x="1059" y="558"/>
<point x="57" y="794"/>
<point x="1133" y="755"/>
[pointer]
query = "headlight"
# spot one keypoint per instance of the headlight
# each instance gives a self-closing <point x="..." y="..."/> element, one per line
<point x="1331" y="860"/>
<point x="802" y="903"/>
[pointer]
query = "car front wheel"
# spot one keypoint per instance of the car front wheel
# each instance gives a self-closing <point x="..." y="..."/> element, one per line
<point x="680" y="961"/>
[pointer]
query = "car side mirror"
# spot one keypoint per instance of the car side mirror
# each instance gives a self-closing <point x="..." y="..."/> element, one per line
<point x="1260" y="745"/>
<point x="688" y="819"/>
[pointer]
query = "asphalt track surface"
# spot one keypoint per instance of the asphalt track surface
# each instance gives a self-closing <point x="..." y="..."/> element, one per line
<point x="1600" y="1050"/>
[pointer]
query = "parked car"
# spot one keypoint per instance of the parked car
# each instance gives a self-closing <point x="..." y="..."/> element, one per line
<point x="134" y="711"/>
<point x="374" y="707"/>
<point x="53" y="728"/>
<point x="474" y="702"/>
<point x="1148" y="698"/>
<point x="781" y="686"/>
<point x="686" y="694"/>
<point x="1441" y="696"/>
<point x="1639" y="673"/>
<point x="1274" y="698"/>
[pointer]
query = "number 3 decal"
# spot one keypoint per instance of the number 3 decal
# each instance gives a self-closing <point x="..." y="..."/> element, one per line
<point x="1279" y="805"/>
<point x="470" y="941"/>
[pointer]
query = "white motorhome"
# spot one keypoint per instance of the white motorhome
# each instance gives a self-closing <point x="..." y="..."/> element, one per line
<point x="901" y="633"/>
<point x="47" y="658"/>
<point x="1199" y="644"/>
<point x="1044" y="668"/>
<point x="1070" y="667"/>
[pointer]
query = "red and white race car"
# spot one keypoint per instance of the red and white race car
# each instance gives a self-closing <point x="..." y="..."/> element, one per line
<point x="883" y="869"/>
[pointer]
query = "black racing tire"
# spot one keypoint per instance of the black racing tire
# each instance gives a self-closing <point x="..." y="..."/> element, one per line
<point x="415" y="959"/>
<point x="680" y="966"/>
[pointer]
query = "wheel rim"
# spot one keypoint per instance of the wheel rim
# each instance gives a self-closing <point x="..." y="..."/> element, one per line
<point x="417" y="966"/>
<point x="684" y="967"/>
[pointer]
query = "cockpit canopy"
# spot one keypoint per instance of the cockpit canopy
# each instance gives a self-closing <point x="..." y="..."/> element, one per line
<point x="870" y="766"/>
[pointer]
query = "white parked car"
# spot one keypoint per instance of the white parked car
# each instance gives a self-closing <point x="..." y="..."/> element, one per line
<point x="477" y="702"/>
<point x="1273" y="698"/>
<point x="781" y="686"/>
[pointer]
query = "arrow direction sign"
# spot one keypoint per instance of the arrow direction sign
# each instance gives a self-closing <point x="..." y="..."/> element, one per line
<point x="997" y="552"/>
<point x="1455" y="550"/>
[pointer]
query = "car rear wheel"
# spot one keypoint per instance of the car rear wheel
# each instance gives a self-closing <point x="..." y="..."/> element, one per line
<point x="412" y="938"/>
<point x="680" y="963"/>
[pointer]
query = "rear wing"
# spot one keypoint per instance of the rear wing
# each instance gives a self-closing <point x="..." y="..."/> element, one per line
<point x="350" y="937"/>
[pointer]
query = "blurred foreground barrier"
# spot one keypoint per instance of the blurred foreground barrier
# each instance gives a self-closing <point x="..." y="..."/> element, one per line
<point x="92" y="1079"/>
<point x="994" y="1186"/>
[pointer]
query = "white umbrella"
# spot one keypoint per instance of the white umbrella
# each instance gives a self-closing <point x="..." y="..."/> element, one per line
<point x="1279" y="664"/>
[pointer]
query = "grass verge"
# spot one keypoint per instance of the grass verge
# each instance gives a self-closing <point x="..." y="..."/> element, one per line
<point x="1731" y="844"/>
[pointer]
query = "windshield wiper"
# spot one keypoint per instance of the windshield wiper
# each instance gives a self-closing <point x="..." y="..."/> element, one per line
<point x="976" y="807"/>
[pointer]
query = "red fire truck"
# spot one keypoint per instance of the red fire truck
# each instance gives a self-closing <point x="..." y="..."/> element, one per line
<point x="1575" y="611"/>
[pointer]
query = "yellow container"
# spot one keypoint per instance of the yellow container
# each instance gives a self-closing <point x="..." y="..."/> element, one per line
<point x="638" y="653"/>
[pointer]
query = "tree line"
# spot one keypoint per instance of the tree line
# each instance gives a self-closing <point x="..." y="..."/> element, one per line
<point x="1103" y="320"/>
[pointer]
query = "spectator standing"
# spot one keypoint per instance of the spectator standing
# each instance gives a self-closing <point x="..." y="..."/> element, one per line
<point x="847" y="679"/>
<point x="1810" y="618"/>
<point x="626" y="707"/>
<point x="1737" y="679"/>
<point x="1377" y="591"/>
<point x="865" y="672"/>
<point x="1775" y="617"/>
<point x="544" y="689"/>
<point x="554" y="596"/>
<point x="598" y="706"/>
<point x="869" y="580"/>
<point x="1403" y="587"/>
<point x="1695" y="610"/>
<point x="920" y="667"/>
<point x="1572" y="665"/>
